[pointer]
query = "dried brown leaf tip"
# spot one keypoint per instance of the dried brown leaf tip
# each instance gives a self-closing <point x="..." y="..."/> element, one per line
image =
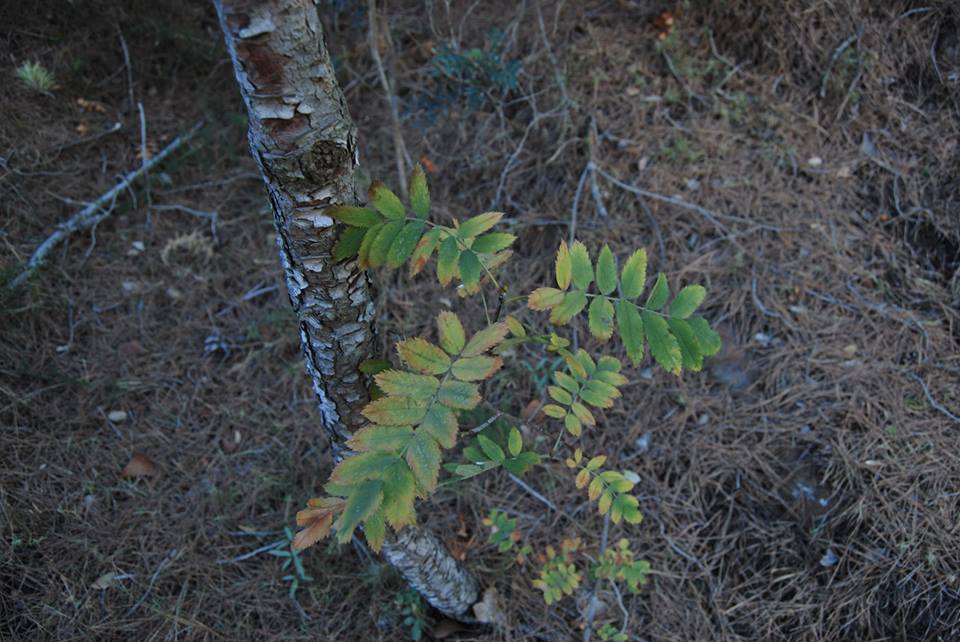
<point x="140" y="465"/>
<point x="317" y="519"/>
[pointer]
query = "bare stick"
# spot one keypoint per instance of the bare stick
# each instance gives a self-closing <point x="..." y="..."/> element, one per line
<point x="399" y="147"/>
<point x="92" y="214"/>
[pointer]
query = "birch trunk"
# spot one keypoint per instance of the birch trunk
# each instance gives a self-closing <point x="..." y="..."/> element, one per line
<point x="304" y="141"/>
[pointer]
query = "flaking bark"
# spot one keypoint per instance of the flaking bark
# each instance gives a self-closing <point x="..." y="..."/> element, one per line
<point x="304" y="141"/>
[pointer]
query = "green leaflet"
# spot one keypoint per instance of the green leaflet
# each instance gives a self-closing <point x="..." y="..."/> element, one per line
<point x="440" y="423"/>
<point x="491" y="449"/>
<point x="485" y="339"/>
<point x="363" y="253"/>
<point x="580" y="265"/>
<point x="634" y="275"/>
<point x="380" y="438"/>
<point x="407" y="384"/>
<point x="385" y="201"/>
<point x="606" y="271"/>
<point x="690" y="351"/>
<point x="447" y="257"/>
<point x="421" y="253"/>
<point x="404" y="243"/>
<point x="363" y="501"/>
<point x="475" y="368"/>
<point x="395" y="411"/>
<point x="459" y="395"/>
<point x="493" y="242"/>
<point x="600" y="318"/>
<point x="374" y="530"/>
<point x="573" y="302"/>
<point x="355" y="216"/>
<point x="423" y="356"/>
<point x="514" y="442"/>
<point x="470" y="268"/>
<point x="452" y="337"/>
<point x="708" y="339"/>
<point x="544" y="298"/>
<point x="399" y="491"/>
<point x="631" y="330"/>
<point x="478" y="224"/>
<point x="419" y="194"/>
<point x="686" y="301"/>
<point x="368" y="465"/>
<point x="423" y="456"/>
<point x="564" y="267"/>
<point x="663" y="345"/>
<point x="381" y="245"/>
<point x="348" y="243"/>
<point x="659" y="294"/>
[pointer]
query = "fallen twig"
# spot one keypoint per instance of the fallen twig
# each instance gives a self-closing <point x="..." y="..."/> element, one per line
<point x="92" y="214"/>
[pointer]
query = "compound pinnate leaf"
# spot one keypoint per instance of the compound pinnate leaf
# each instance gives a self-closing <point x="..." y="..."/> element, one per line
<point x="631" y="330"/>
<point x="447" y="257"/>
<point x="479" y="224"/>
<point x="581" y="266"/>
<point x="368" y="465"/>
<point x="419" y="193"/>
<point x="475" y="368"/>
<point x="564" y="267"/>
<point x="407" y="384"/>
<point x="452" y="337"/>
<point x="423" y="356"/>
<point x="423" y="456"/>
<point x="634" y="275"/>
<point x="708" y="339"/>
<point x="395" y="411"/>
<point x="380" y="438"/>
<point x="440" y="423"/>
<point x="355" y="216"/>
<point x="606" y="271"/>
<point x="364" y="500"/>
<point x="493" y="242"/>
<point x="381" y="245"/>
<point x="485" y="339"/>
<point x="600" y="317"/>
<point x="404" y="244"/>
<point x="659" y="294"/>
<point x="572" y="304"/>
<point x="663" y="345"/>
<point x="459" y="395"/>
<point x="385" y="201"/>
<point x="544" y="298"/>
<point x="690" y="350"/>
<point x="470" y="268"/>
<point x="687" y="301"/>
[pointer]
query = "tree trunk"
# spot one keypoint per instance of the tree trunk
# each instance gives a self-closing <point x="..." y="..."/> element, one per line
<point x="304" y="142"/>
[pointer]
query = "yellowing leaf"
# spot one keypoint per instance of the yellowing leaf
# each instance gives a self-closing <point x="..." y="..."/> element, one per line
<point x="421" y="253"/>
<point x="514" y="442"/>
<point x="447" y="257"/>
<point x="573" y="425"/>
<point x="600" y="318"/>
<point x="634" y="275"/>
<point x="440" y="423"/>
<point x="475" y="368"/>
<point x="479" y="224"/>
<point x="355" y="216"/>
<point x="380" y="438"/>
<point x="573" y="303"/>
<point x="580" y="265"/>
<point x="493" y="242"/>
<point x="564" y="268"/>
<point x="423" y="456"/>
<point x="605" y="500"/>
<point x="485" y="339"/>
<point x="395" y="411"/>
<point x="584" y="415"/>
<point x="423" y="356"/>
<point x="419" y="194"/>
<point x="686" y="301"/>
<point x="406" y="384"/>
<point x="385" y="201"/>
<point x="596" y="487"/>
<point x="583" y="478"/>
<point x="381" y="245"/>
<point x="399" y="490"/>
<point x="659" y="294"/>
<point x="363" y="253"/>
<point x="375" y="530"/>
<point x="451" y="333"/>
<point x="316" y="520"/>
<point x="367" y="465"/>
<point x="458" y="394"/>
<point x="544" y="298"/>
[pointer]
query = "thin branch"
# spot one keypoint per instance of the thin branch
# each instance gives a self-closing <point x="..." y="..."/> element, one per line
<point x="92" y="214"/>
<point x="592" y="604"/>
<point x="933" y="402"/>
<point x="400" y="147"/>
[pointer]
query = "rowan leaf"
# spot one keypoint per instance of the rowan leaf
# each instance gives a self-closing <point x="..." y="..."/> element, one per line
<point x="555" y="411"/>
<point x="381" y="245"/>
<point x="364" y="500"/>
<point x="686" y="301"/>
<point x="663" y="345"/>
<point x="631" y="330"/>
<point x="584" y="415"/>
<point x="493" y="242"/>
<point x="595" y="397"/>
<point x="447" y="257"/>
<point x="399" y="491"/>
<point x="600" y="318"/>
<point x="605" y="500"/>
<point x="399" y="383"/>
<point x="690" y="351"/>
<point x="560" y="395"/>
<point x="459" y="395"/>
<point x="581" y="266"/>
<point x="355" y="216"/>
<point x="348" y="243"/>
<point x="380" y="439"/>
<point x="404" y="244"/>
<point x="395" y="411"/>
<point x="363" y="253"/>
<point x="595" y="489"/>
<point x="586" y="361"/>
<point x="419" y="193"/>
<point x="564" y="267"/>
<point x="572" y="304"/>
<point x="450" y="330"/>
<point x="708" y="339"/>
<point x="470" y="268"/>
<point x="514" y="442"/>
<point x="423" y="456"/>
<point x="634" y="275"/>
<point x="423" y="356"/>
<point x="516" y="328"/>
<point x="491" y="449"/>
<point x="425" y="247"/>
<point x="385" y="201"/>
<point x="316" y="520"/>
<point x="367" y="465"/>
<point x="485" y="339"/>
<point x="566" y="381"/>
<point x="475" y="368"/>
<point x="440" y="423"/>
<point x="479" y="224"/>
<point x="573" y="425"/>
<point x="374" y="530"/>
<point x="659" y="294"/>
<point x="544" y="298"/>
<point x="606" y="271"/>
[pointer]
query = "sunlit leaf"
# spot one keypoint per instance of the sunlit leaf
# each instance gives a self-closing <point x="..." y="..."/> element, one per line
<point x="544" y="298"/>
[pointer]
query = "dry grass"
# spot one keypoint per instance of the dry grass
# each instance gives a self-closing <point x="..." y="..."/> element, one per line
<point x="830" y="247"/>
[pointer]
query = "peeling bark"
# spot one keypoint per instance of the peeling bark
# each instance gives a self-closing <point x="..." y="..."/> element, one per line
<point x="304" y="141"/>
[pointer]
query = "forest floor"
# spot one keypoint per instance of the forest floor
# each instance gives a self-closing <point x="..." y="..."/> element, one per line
<point x="157" y="432"/>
